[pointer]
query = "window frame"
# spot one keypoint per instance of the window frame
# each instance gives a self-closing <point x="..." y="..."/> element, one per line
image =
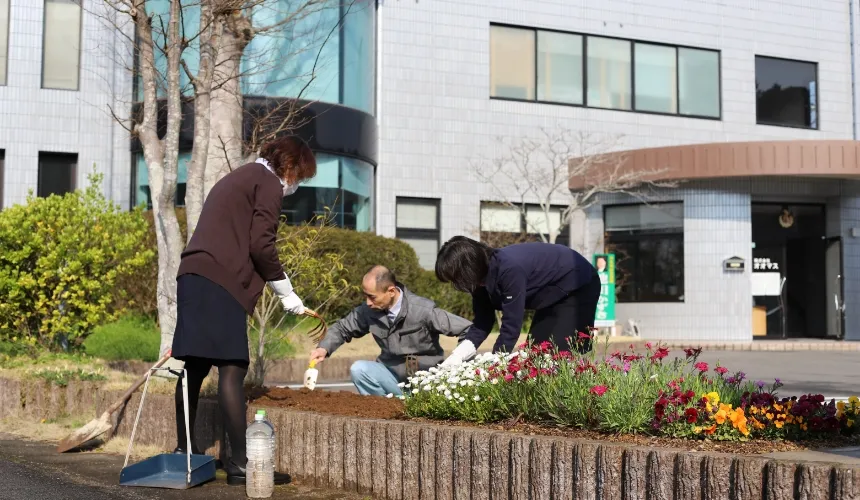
<point x="563" y="237"/>
<point x="419" y="233"/>
<point x="77" y="88"/>
<point x="5" y="68"/>
<point x="638" y="235"/>
<point x="817" y="93"/>
<point x="2" y="175"/>
<point x="584" y="70"/>
<point x="73" y="174"/>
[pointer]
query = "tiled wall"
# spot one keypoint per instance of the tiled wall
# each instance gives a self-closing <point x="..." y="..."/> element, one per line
<point x="717" y="226"/>
<point x="36" y="119"/>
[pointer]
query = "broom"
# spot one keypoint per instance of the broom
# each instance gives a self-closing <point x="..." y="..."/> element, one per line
<point x="98" y="426"/>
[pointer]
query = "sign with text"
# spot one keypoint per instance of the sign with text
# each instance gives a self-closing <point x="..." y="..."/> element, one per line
<point x="605" y="265"/>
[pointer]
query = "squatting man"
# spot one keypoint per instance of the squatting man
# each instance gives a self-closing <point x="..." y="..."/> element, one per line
<point x="404" y="325"/>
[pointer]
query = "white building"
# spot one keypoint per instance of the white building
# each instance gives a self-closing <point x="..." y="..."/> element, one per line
<point x="676" y="80"/>
<point x="453" y="74"/>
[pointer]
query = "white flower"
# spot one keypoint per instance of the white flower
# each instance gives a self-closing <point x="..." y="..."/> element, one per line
<point x="389" y="395"/>
<point x="401" y="385"/>
<point x="477" y="398"/>
<point x="448" y="396"/>
<point x="463" y="383"/>
<point x="414" y="391"/>
<point x="457" y="395"/>
<point x="401" y="397"/>
<point x="447" y="392"/>
<point x="495" y="381"/>
<point x="426" y="388"/>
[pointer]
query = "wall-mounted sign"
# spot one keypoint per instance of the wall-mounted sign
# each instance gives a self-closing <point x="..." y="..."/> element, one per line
<point x="605" y="264"/>
<point x="734" y="264"/>
<point x="765" y="264"/>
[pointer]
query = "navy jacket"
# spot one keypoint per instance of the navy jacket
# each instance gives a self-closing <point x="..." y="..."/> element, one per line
<point x="524" y="276"/>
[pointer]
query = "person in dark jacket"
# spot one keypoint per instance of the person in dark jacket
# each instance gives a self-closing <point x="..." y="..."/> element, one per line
<point x="226" y="264"/>
<point x="555" y="281"/>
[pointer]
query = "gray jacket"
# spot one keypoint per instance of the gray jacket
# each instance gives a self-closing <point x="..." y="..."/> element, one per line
<point x="413" y="336"/>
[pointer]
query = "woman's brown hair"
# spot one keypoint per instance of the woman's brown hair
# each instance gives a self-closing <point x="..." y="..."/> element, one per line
<point x="290" y="158"/>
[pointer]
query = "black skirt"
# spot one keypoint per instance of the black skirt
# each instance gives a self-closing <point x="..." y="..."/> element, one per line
<point x="210" y="323"/>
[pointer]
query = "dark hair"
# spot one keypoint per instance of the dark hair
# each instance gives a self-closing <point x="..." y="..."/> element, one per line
<point x="383" y="276"/>
<point x="464" y="263"/>
<point x="290" y="158"/>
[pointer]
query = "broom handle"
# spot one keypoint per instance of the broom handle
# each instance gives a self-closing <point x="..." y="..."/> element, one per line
<point x="139" y="382"/>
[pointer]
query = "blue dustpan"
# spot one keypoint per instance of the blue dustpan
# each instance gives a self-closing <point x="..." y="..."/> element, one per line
<point x="168" y="470"/>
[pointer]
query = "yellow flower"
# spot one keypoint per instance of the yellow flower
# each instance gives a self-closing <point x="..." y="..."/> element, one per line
<point x="850" y="423"/>
<point x="854" y="400"/>
<point x="789" y="419"/>
<point x="799" y="420"/>
<point x="769" y="416"/>
<point x="753" y="410"/>
<point x="840" y="406"/>
<point x="778" y="424"/>
<point x="777" y="407"/>
<point x="757" y="424"/>
<point x="803" y="427"/>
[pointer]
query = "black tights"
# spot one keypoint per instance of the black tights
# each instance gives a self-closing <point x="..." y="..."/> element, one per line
<point x="231" y="399"/>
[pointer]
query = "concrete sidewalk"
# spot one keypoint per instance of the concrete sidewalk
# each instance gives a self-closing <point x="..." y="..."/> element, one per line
<point x="32" y="470"/>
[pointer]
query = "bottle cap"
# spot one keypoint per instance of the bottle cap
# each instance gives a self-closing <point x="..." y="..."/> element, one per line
<point x="259" y="417"/>
<point x="261" y="412"/>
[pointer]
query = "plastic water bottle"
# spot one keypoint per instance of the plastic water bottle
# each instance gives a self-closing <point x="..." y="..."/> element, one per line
<point x="266" y="421"/>
<point x="260" y="471"/>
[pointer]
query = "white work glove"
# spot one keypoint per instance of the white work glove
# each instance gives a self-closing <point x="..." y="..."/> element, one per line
<point x="289" y="300"/>
<point x="463" y="352"/>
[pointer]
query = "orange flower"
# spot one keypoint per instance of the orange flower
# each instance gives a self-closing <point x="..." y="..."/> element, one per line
<point x="743" y="428"/>
<point x="712" y="429"/>
<point x="720" y="417"/>
<point x="777" y="407"/>
<point x="779" y="424"/>
<point x="803" y="427"/>
<point x="769" y="416"/>
<point x="757" y="424"/>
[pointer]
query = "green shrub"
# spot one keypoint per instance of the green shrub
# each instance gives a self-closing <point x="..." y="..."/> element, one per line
<point x="62" y="376"/>
<point x="60" y="260"/>
<point x="128" y="338"/>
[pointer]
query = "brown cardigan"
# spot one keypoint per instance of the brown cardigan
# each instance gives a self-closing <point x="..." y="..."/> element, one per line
<point x="234" y="243"/>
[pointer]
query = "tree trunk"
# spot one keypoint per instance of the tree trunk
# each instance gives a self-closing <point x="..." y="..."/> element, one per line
<point x="162" y="159"/>
<point x="225" y="133"/>
<point x="210" y="31"/>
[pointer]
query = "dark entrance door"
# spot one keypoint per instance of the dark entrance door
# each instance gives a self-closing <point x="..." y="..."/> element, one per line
<point x="789" y="239"/>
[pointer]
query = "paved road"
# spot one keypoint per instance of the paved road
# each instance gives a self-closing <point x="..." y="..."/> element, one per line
<point x="834" y="374"/>
<point x="31" y="470"/>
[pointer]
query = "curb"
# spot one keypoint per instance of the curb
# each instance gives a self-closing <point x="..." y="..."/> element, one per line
<point x="396" y="460"/>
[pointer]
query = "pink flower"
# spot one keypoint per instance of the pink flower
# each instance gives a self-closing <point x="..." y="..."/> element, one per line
<point x="598" y="390"/>
<point x="721" y="370"/>
<point x="584" y="336"/>
<point x="701" y="366"/>
<point x="508" y="377"/>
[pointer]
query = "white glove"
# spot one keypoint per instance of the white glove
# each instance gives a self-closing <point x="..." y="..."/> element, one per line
<point x="466" y="350"/>
<point x="284" y="290"/>
<point x="293" y="304"/>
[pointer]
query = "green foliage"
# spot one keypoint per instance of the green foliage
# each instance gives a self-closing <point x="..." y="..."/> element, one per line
<point x="63" y="376"/>
<point x="61" y="258"/>
<point x="131" y="337"/>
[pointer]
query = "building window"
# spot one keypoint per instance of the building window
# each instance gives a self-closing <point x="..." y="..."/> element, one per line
<point x="559" y="65"/>
<point x="4" y="40"/>
<point x="418" y="225"/>
<point x="656" y="86"/>
<point x="512" y="63"/>
<point x="609" y="73"/>
<point x="786" y="92"/>
<point x="61" y="45"/>
<point x="142" y="194"/>
<point x="648" y="243"/>
<point x="57" y="173"/>
<point x="503" y="225"/>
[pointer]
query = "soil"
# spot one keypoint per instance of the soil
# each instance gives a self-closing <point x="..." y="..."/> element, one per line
<point x="375" y="407"/>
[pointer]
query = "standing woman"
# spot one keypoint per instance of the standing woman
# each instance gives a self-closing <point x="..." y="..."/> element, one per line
<point x="555" y="281"/>
<point x="230" y="257"/>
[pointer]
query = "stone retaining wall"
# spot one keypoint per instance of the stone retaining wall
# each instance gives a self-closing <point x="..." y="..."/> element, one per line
<point x="396" y="460"/>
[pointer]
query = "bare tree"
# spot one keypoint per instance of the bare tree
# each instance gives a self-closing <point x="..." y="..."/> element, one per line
<point x="539" y="171"/>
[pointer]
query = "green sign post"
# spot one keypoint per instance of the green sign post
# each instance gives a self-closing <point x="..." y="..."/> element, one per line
<point x="605" y="264"/>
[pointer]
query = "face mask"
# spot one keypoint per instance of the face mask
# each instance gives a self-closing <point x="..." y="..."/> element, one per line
<point x="290" y="189"/>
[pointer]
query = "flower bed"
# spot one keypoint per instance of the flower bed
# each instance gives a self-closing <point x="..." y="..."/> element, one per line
<point x="625" y="393"/>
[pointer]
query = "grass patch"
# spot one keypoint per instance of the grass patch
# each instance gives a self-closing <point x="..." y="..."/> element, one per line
<point x="128" y="338"/>
<point x="61" y="377"/>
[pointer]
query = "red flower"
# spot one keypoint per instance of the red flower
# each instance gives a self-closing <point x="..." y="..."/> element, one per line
<point x="598" y="390"/>
<point x="508" y="377"/>
<point x="692" y="415"/>
<point x="721" y="370"/>
<point x="693" y="352"/>
<point x="661" y="353"/>
<point x="701" y="366"/>
<point x="533" y="372"/>
<point x="648" y="345"/>
<point x="584" y="336"/>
